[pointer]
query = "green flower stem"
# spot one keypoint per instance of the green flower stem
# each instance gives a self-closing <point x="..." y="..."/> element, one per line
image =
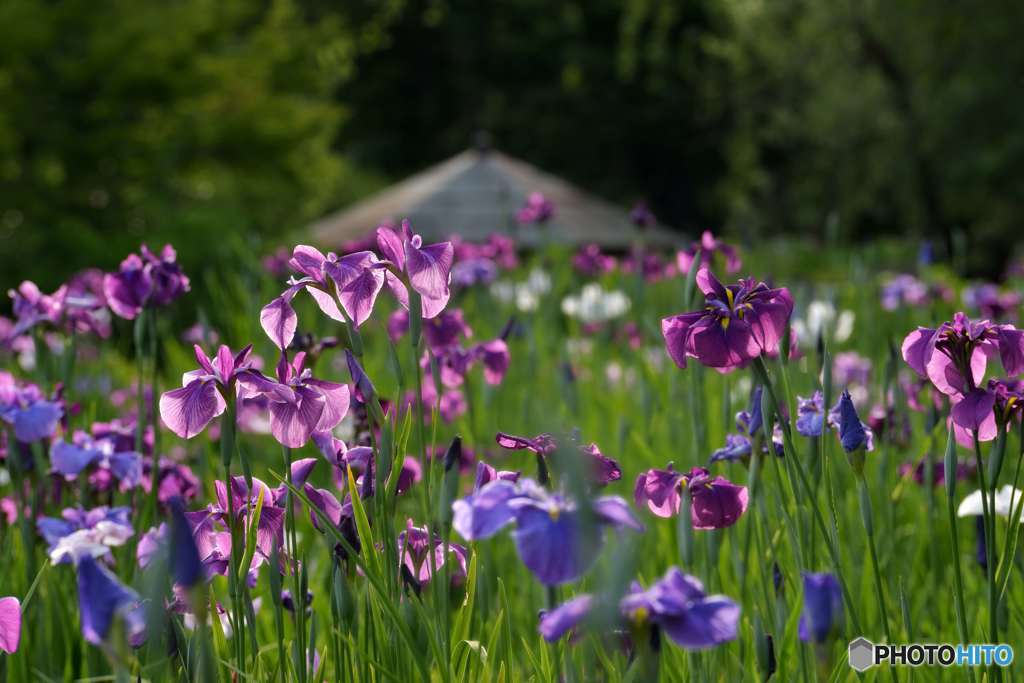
<point x="954" y="538"/>
<point x="795" y="466"/>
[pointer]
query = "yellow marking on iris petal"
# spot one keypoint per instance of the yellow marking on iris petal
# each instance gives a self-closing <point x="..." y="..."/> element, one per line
<point x="640" y="615"/>
<point x="554" y="512"/>
<point x="725" y="323"/>
<point x="729" y="295"/>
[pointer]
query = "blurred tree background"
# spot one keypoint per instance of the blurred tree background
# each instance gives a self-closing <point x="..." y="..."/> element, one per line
<point x="232" y="123"/>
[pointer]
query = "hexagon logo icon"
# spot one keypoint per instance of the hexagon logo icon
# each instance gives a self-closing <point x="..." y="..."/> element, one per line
<point x="861" y="654"/>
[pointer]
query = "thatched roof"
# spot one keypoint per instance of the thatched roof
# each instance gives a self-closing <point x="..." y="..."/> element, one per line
<point x="476" y="193"/>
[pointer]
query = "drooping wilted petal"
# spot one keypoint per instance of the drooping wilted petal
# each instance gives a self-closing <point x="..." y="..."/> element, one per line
<point x="187" y="411"/>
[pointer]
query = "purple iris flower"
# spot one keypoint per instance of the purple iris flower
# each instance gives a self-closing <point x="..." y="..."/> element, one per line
<point x="322" y="499"/>
<point x="414" y="547"/>
<point x="810" y="420"/>
<point x="101" y="597"/>
<point x="676" y="604"/>
<point x="823" y="608"/>
<point x="853" y="433"/>
<point x="641" y="215"/>
<point x="591" y="261"/>
<point x="25" y="407"/>
<point x="849" y="367"/>
<point x="426" y="268"/>
<point x="78" y="306"/>
<point x="550" y="535"/>
<point x="353" y="281"/>
<point x="715" y="503"/>
<point x="603" y="469"/>
<point x="965" y="469"/>
<point x="738" y="323"/>
<point x="362" y="387"/>
<point x="299" y="403"/>
<point x="472" y="272"/>
<point x="991" y="303"/>
<point x="70" y="459"/>
<point x="537" y="209"/>
<point x="204" y="392"/>
<point x="174" y="480"/>
<point x="499" y="249"/>
<point x="215" y="545"/>
<point x="737" y="447"/>
<point x="708" y="247"/>
<point x="145" y="280"/>
<point x="445" y="329"/>
<point x="485" y="474"/>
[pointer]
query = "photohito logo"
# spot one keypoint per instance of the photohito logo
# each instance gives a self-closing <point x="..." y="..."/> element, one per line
<point x="863" y="654"/>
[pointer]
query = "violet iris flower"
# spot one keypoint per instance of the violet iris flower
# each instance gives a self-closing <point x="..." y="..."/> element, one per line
<point x="70" y="459"/>
<point x="849" y="367"/>
<point x="26" y="408"/>
<point x="603" y="469"/>
<point x="186" y="565"/>
<point x="708" y="247"/>
<point x="822" y="615"/>
<point x="716" y="503"/>
<point x="78" y="306"/>
<point x="550" y="533"/>
<point x="174" y="480"/>
<point x="80" y="532"/>
<point x="144" y="280"/>
<point x="10" y="624"/>
<point x="676" y="604"/>
<point x="810" y="420"/>
<point x="445" y="329"/>
<point x="737" y="324"/>
<point x="537" y="209"/>
<point x="299" y="403"/>
<point x="425" y="268"/>
<point x="414" y="547"/>
<point x="205" y="392"/>
<point x="101" y="597"/>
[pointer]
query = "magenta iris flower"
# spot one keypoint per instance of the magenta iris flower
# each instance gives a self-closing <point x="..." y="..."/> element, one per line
<point x="603" y="469"/>
<point x="965" y="469"/>
<point x="204" y="392"/>
<point x="822" y="616"/>
<point x="550" y="536"/>
<point x="101" y="598"/>
<point x="954" y="358"/>
<point x="145" y="280"/>
<point x="24" y="406"/>
<point x="641" y="215"/>
<point x="78" y="306"/>
<point x="991" y="303"/>
<point x="737" y="324"/>
<point x="446" y="329"/>
<point x="537" y="209"/>
<point x="10" y="624"/>
<point x="676" y="604"/>
<point x="708" y="247"/>
<point x="425" y="268"/>
<point x="716" y="503"/>
<point x="174" y="480"/>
